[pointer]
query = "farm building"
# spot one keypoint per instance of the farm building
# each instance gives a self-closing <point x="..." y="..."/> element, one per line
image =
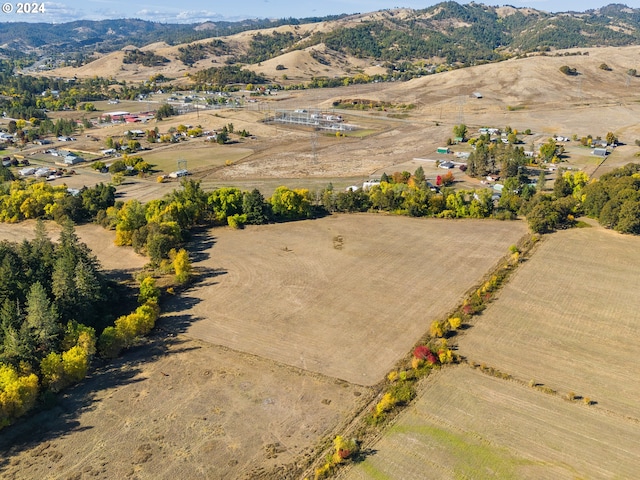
<point x="27" y="171"/>
<point x="599" y="152"/>
<point x="72" y="159"/>
<point x="443" y="150"/>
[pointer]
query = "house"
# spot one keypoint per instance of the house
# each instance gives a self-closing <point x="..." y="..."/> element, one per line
<point x="370" y="183"/>
<point x="42" y="172"/>
<point x="72" y="159"/>
<point x="27" y="171"/>
<point x="598" y="143"/>
<point x="108" y="151"/>
<point x="599" y="152"/>
<point x="446" y="165"/>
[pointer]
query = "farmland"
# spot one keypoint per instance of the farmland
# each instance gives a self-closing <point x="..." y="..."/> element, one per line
<point x="294" y="368"/>
<point x="326" y="288"/>
<point x="289" y="329"/>
<point x="564" y="324"/>
<point x="571" y="315"/>
<point x="466" y="424"/>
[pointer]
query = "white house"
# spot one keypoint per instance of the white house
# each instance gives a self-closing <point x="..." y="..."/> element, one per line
<point x="27" y="171"/>
<point x="370" y="183"/>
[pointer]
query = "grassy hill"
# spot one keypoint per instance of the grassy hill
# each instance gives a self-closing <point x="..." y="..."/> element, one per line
<point x="397" y="40"/>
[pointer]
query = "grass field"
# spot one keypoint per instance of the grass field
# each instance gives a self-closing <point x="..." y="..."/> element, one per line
<point x="567" y="322"/>
<point x="568" y="319"/>
<point x="197" y="154"/>
<point x="468" y="425"/>
<point x="322" y="294"/>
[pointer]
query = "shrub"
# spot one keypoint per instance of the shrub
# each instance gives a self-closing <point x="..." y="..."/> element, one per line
<point x="455" y="323"/>
<point x="568" y="70"/>
<point x="384" y="405"/>
<point x="237" y="220"/>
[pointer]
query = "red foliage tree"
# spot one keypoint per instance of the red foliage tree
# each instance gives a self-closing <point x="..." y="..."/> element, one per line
<point x="421" y="352"/>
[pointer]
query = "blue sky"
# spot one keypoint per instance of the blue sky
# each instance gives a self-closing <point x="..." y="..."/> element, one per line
<point x="193" y="11"/>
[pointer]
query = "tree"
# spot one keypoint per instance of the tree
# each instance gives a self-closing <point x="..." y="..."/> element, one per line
<point x="291" y="204"/>
<point x="148" y="291"/>
<point x="225" y="202"/>
<point x="548" y="150"/>
<point x="629" y="217"/>
<point x="164" y="111"/>
<point x="611" y="138"/>
<point x="182" y="266"/>
<point x="75" y="363"/>
<point x="41" y="319"/>
<point x="419" y="178"/>
<point x="460" y="131"/>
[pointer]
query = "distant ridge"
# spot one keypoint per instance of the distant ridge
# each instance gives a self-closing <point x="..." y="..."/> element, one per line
<point x="448" y="31"/>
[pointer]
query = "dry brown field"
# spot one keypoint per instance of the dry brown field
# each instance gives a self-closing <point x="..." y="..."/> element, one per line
<point x="567" y="322"/>
<point x="320" y="294"/>
<point x="180" y="408"/>
<point x="468" y="425"/>
<point x="271" y="352"/>
<point x="568" y="319"/>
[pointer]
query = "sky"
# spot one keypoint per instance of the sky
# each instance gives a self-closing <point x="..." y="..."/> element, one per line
<point x="196" y="11"/>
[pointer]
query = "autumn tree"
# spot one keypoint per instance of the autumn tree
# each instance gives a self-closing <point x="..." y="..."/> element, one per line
<point x="291" y="204"/>
<point x="182" y="266"/>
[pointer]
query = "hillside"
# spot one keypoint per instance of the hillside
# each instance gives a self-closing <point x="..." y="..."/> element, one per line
<point x="396" y="40"/>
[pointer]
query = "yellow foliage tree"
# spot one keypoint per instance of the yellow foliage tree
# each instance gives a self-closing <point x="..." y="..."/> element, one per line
<point x="455" y="323"/>
<point x="436" y="330"/>
<point x="52" y="371"/>
<point x="182" y="266"/>
<point x="75" y="362"/>
<point x="18" y="393"/>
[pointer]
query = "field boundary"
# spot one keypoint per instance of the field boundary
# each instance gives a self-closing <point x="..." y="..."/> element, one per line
<point x="368" y="435"/>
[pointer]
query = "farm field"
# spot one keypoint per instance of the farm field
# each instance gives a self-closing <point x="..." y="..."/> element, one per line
<point x="180" y="408"/>
<point x="196" y="153"/>
<point x="319" y="294"/>
<point x="568" y="319"/>
<point x="466" y="424"/>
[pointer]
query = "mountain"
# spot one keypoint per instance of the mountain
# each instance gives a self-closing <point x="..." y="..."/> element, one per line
<point x="447" y="33"/>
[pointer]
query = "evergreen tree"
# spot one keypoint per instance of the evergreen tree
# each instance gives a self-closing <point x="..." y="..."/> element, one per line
<point x="255" y="208"/>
